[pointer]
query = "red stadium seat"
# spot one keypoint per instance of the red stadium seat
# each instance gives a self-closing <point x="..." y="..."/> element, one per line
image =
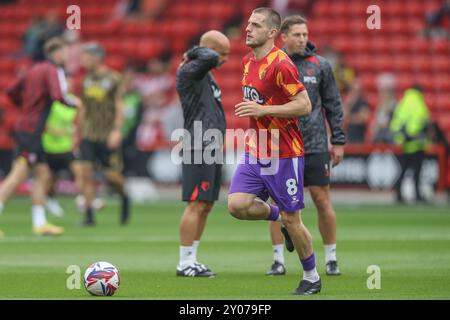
<point x="184" y="29"/>
<point x="415" y="25"/>
<point x="362" y="63"/>
<point x="413" y="8"/>
<point x="441" y="83"/>
<point x="401" y="63"/>
<point x="420" y="46"/>
<point x="441" y="64"/>
<point x="338" y="8"/>
<point x="444" y="121"/>
<point x="440" y="47"/>
<point x="422" y="63"/>
<point x="399" y="45"/>
<point x="442" y="101"/>
<point x="180" y="10"/>
<point x="178" y="47"/>
<point x="221" y="11"/>
<point x="404" y="81"/>
<point x="360" y="45"/>
<point x="343" y="44"/>
<point x="111" y="46"/>
<point x="321" y="9"/>
<point x="7" y="66"/>
<point x="368" y="82"/>
<point x="116" y="62"/>
<point x="357" y="26"/>
<point x="394" y="26"/>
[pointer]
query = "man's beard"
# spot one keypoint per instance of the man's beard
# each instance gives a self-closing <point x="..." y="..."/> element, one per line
<point x="255" y="44"/>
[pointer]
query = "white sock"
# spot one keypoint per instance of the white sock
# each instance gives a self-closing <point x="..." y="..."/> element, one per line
<point x="1" y="207"/>
<point x="186" y="256"/>
<point x="278" y="253"/>
<point x="195" y="245"/>
<point x="330" y="252"/>
<point x="311" y="275"/>
<point x="38" y="216"/>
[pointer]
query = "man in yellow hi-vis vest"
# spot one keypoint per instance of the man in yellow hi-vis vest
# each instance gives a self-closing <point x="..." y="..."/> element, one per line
<point x="409" y="125"/>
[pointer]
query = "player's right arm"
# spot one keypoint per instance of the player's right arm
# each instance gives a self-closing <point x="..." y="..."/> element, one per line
<point x="197" y="62"/>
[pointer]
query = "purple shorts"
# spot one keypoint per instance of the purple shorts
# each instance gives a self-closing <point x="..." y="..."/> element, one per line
<point x="281" y="179"/>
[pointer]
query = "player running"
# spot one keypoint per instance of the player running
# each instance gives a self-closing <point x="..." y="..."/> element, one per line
<point x="101" y="123"/>
<point x="58" y="142"/>
<point x="201" y="102"/>
<point x="318" y="79"/>
<point x="35" y="92"/>
<point x="274" y="98"/>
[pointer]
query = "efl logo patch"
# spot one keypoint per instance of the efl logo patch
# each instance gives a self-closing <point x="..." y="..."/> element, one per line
<point x="310" y="72"/>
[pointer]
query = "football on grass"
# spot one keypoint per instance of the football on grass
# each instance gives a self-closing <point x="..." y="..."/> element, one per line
<point x="101" y="279"/>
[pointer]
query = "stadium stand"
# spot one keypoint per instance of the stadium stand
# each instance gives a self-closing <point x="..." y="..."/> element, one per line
<point x="399" y="46"/>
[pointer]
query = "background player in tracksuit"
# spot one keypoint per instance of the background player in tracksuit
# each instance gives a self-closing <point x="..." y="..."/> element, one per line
<point x="59" y="142"/>
<point x="59" y="145"/>
<point x="201" y="102"/>
<point x="317" y="76"/>
<point x="35" y="92"/>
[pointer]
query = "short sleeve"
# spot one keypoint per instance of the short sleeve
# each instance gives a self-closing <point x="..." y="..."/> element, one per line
<point x="287" y="78"/>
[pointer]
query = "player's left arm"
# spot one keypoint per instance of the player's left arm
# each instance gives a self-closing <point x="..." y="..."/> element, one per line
<point x="115" y="136"/>
<point x="331" y="102"/>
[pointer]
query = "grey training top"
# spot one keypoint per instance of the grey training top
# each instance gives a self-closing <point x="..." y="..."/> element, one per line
<point x="317" y="77"/>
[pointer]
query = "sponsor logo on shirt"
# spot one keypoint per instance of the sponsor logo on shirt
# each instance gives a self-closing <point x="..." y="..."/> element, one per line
<point x="309" y="79"/>
<point x="252" y="94"/>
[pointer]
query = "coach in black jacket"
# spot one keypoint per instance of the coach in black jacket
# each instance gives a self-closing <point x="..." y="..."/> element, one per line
<point x="202" y="110"/>
<point x="317" y="76"/>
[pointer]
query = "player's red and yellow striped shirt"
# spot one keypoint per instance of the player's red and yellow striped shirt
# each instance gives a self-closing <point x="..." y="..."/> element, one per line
<point x="272" y="80"/>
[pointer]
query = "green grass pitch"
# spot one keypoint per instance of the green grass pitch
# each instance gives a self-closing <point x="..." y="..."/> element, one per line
<point x="410" y="244"/>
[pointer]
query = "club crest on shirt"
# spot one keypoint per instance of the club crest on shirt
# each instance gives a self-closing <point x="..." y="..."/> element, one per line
<point x="310" y="71"/>
<point x="310" y="76"/>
